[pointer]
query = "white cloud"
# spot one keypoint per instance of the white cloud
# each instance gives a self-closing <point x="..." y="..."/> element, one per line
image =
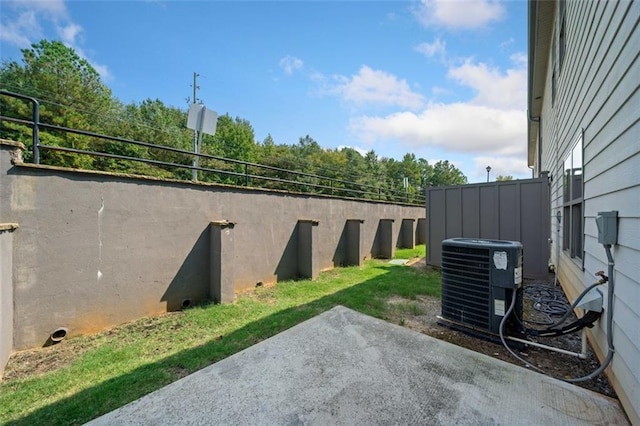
<point x="507" y="43"/>
<point x="494" y="88"/>
<point x="18" y="31"/>
<point x="465" y="14"/>
<point x="290" y="64"/>
<point x="318" y="77"/>
<point x="376" y="87"/>
<point x="438" y="47"/>
<point x="69" y="32"/>
<point x="501" y="166"/>
<point x="20" y="22"/>
<point x="457" y="127"/>
<point x="440" y="91"/>
<point x="492" y="122"/>
<point x="55" y="9"/>
<point x="519" y="59"/>
<point x="24" y="22"/>
<point x="103" y="70"/>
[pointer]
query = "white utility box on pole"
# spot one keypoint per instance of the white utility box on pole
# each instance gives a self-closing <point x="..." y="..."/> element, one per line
<point x="202" y="120"/>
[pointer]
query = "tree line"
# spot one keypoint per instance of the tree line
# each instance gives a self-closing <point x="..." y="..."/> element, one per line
<point x="72" y="95"/>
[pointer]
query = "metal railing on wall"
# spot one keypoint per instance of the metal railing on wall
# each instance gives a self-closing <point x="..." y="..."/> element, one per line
<point x="251" y="174"/>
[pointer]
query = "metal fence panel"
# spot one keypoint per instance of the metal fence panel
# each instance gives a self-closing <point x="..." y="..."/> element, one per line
<point x="515" y="210"/>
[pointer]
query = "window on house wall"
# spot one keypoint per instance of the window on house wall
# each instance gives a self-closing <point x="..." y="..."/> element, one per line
<point x="572" y="200"/>
<point x="553" y="88"/>
<point x="562" y="39"/>
<point x="554" y="74"/>
<point x="558" y="48"/>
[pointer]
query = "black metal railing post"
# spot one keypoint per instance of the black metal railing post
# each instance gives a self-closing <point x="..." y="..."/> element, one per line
<point x="35" y="117"/>
<point x="36" y="130"/>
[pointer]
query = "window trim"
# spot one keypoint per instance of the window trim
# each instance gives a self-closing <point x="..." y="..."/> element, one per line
<point x="562" y="33"/>
<point x="569" y="230"/>
<point x="558" y="48"/>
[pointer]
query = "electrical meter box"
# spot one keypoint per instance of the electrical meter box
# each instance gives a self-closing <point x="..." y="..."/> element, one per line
<point x="607" y="223"/>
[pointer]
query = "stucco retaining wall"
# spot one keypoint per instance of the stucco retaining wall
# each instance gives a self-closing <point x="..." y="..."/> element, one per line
<point x="95" y="250"/>
<point x="6" y="293"/>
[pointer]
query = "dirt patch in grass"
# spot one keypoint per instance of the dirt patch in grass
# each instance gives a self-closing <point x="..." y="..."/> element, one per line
<point x="49" y="358"/>
<point x="42" y="360"/>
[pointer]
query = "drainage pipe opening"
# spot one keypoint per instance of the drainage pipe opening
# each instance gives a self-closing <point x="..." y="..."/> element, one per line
<point x="59" y="334"/>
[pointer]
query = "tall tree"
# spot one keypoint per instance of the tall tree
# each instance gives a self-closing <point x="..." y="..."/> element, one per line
<point x="267" y="148"/>
<point x="306" y="148"/>
<point x="152" y="122"/>
<point x="72" y="92"/>
<point x="234" y="139"/>
<point x="375" y="170"/>
<point x="445" y="173"/>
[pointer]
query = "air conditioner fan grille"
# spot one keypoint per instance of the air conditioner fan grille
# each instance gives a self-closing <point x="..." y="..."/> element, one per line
<point x="466" y="294"/>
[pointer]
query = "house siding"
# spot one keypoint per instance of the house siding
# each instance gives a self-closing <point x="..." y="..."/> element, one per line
<point x="598" y="95"/>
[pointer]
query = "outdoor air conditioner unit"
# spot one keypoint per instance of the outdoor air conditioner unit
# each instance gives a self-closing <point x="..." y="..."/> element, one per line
<point x="478" y="281"/>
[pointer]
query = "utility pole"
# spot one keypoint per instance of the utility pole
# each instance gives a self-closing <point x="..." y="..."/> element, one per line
<point x="194" y="172"/>
<point x="195" y="87"/>
<point x="202" y="121"/>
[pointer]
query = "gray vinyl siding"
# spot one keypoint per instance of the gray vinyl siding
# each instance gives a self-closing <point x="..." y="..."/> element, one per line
<point x="598" y="93"/>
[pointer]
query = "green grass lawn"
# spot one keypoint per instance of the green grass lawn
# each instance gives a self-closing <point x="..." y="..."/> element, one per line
<point x="418" y="251"/>
<point x="125" y="363"/>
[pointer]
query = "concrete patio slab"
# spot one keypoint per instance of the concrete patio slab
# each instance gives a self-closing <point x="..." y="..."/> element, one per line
<point x="346" y="368"/>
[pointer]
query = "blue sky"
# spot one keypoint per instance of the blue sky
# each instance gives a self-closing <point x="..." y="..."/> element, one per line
<point x="445" y="80"/>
